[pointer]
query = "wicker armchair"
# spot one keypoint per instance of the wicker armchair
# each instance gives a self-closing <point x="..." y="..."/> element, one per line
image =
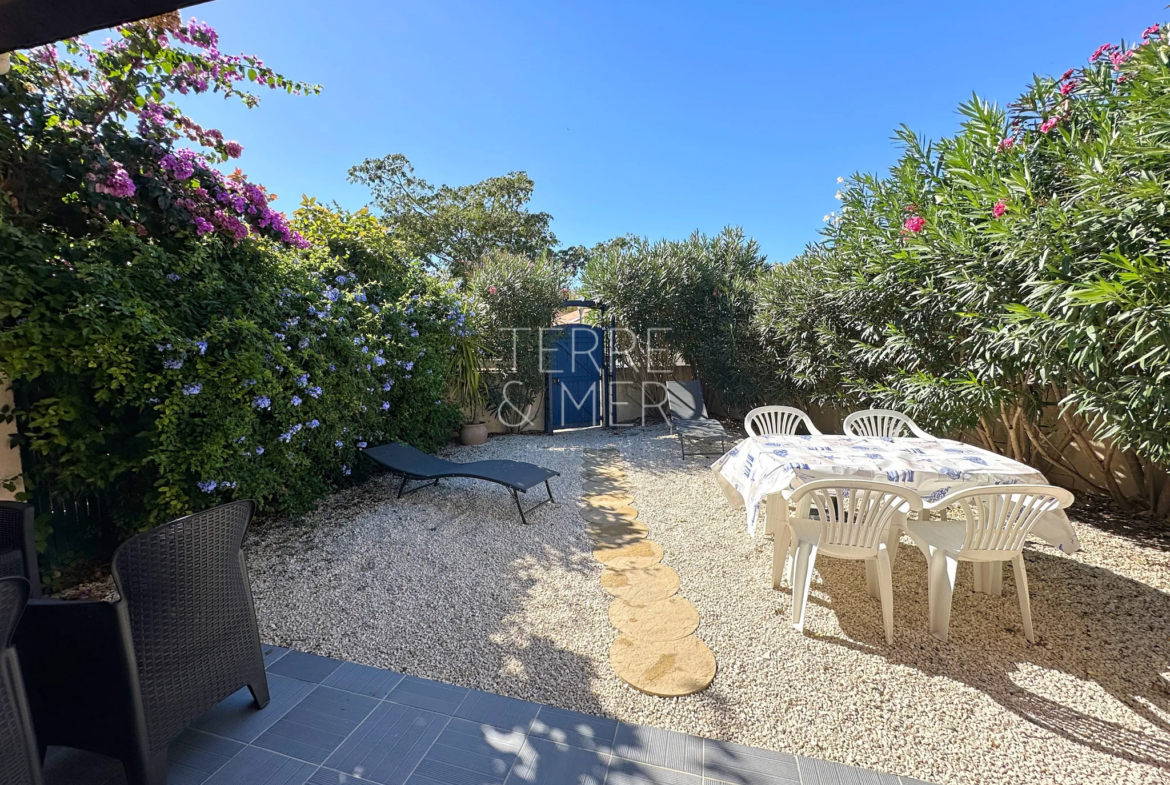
<point x="18" y="548"/>
<point x="124" y="678"/>
<point x="19" y="761"/>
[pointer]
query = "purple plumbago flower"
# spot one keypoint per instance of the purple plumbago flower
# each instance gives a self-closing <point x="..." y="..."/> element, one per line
<point x="296" y="428"/>
<point x="249" y="382"/>
<point x="313" y="423"/>
<point x="259" y="450"/>
<point x="389" y="383"/>
<point x="315" y="392"/>
<point x="162" y="347"/>
<point x="193" y="389"/>
<point x="357" y="340"/>
<point x="303" y="380"/>
<point x="296" y="400"/>
<point x="304" y="344"/>
<point x="312" y="311"/>
<point x="360" y="297"/>
<point x="172" y="365"/>
<point x="369" y="367"/>
<point x="332" y="294"/>
<point x="279" y="336"/>
<point x="345" y="470"/>
<point x="332" y="367"/>
<point x="362" y="445"/>
<point x="286" y="436"/>
<point x="341" y="280"/>
<point x="409" y="366"/>
<point x="365" y="350"/>
<point x="414" y="333"/>
<point x="228" y="484"/>
<point x="339" y="443"/>
<point x="385" y="405"/>
<point x="375" y="309"/>
<point x="207" y="486"/>
<point x="379" y="361"/>
<point x="292" y="322"/>
<point x="261" y="402"/>
<point x="201" y="346"/>
<point x="173" y="276"/>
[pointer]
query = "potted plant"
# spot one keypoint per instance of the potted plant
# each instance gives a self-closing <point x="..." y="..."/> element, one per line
<point x="467" y="386"/>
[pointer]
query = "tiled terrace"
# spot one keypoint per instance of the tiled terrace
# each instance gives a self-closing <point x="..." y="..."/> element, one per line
<point x="332" y="722"/>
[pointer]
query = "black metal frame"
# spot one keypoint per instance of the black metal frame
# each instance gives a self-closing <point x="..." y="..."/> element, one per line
<point x="515" y="494"/>
<point x="682" y="444"/>
<point x="516" y="497"/>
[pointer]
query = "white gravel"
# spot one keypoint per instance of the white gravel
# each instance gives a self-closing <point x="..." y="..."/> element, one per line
<point x="448" y="584"/>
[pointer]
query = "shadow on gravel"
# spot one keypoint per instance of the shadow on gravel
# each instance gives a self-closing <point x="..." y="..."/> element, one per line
<point x="1093" y="625"/>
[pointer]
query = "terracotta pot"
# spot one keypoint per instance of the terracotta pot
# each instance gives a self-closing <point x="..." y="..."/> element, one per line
<point x="473" y="433"/>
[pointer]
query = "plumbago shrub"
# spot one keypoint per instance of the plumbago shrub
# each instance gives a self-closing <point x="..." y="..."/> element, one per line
<point x="702" y="292"/>
<point x="172" y="341"/>
<point x="1011" y="281"/>
<point x="512" y="300"/>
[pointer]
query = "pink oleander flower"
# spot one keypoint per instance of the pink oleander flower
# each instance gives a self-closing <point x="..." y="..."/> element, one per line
<point x="1066" y="75"/>
<point x="1049" y="124"/>
<point x="1151" y="30"/>
<point x="233" y="149"/>
<point x="1102" y="49"/>
<point x="1068" y="87"/>
<point x="914" y="223"/>
<point x="1005" y="144"/>
<point x="999" y="209"/>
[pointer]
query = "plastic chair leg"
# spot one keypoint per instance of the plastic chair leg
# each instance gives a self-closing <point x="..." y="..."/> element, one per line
<point x="1021" y="576"/>
<point x="980" y="575"/>
<point x="871" y="579"/>
<point x="994" y="582"/>
<point x="780" y="545"/>
<point x="802" y="568"/>
<point x="942" y="588"/>
<point x="885" y="578"/>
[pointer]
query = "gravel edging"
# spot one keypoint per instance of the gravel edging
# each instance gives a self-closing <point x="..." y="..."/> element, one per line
<point x="447" y="584"/>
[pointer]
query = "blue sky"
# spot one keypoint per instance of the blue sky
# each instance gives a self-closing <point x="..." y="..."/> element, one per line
<point x="648" y="118"/>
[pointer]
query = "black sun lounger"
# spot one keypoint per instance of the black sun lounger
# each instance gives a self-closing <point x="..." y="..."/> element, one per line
<point x="415" y="464"/>
<point x="688" y="415"/>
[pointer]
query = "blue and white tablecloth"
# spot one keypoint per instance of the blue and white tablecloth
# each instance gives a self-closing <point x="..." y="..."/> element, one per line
<point x="933" y="468"/>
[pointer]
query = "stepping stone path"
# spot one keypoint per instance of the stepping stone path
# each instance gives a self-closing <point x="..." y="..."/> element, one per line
<point x="657" y="651"/>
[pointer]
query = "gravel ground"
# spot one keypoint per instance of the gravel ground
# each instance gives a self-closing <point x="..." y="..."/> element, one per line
<point x="447" y="584"/>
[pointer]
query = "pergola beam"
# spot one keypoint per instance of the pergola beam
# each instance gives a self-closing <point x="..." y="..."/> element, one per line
<point x="28" y="23"/>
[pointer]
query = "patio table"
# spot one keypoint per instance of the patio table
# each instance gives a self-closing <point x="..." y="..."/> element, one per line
<point x="932" y="468"/>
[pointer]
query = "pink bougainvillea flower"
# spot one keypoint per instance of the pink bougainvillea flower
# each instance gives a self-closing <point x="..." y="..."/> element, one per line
<point x="233" y="149"/>
<point x="999" y="209"/>
<point x="914" y="223"/>
<point x="1102" y="49"/>
<point x="1049" y="124"/>
<point x="1005" y="144"/>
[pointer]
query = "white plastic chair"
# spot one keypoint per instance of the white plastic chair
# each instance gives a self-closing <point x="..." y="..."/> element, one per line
<point x="997" y="518"/>
<point x="777" y="421"/>
<point x="855" y="519"/>
<point x="882" y="423"/>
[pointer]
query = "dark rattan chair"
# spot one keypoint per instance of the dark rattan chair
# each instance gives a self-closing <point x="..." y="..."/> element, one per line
<point x="19" y="761"/>
<point x="18" y="545"/>
<point x="124" y="678"/>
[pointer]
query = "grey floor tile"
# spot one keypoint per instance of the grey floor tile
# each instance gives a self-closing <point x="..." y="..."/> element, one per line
<point x="735" y="763"/>
<point x="543" y="762"/>
<point x="254" y="766"/>
<point x="67" y="766"/>
<point x="427" y="694"/>
<point x="237" y="717"/>
<point x="272" y="653"/>
<point x="575" y="729"/>
<point x="317" y="726"/>
<point x="363" y="679"/>
<point x="498" y="711"/>
<point x="470" y="753"/>
<point x="822" y="772"/>
<point x="659" y="747"/>
<point x="306" y="667"/>
<point x="629" y="772"/>
<point x="194" y="756"/>
<point x="389" y="744"/>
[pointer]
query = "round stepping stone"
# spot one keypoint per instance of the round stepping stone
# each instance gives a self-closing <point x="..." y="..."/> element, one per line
<point x="604" y="474"/>
<point x="604" y="487"/>
<point x="662" y="620"/>
<point x="666" y="669"/>
<point x="610" y="500"/>
<point x="608" y="514"/>
<point x="622" y="532"/>
<point x="641" y="585"/>
<point x="627" y="556"/>
<point x="595" y="465"/>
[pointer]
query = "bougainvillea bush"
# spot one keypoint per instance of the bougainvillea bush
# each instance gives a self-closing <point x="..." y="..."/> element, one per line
<point x="1012" y="281"/>
<point x="172" y="340"/>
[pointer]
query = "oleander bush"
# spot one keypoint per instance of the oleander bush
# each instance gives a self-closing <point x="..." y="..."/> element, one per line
<point x="172" y="341"/>
<point x="1012" y="281"/>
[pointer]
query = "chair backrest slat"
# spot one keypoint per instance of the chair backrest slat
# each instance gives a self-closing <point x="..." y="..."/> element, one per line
<point x="777" y="421"/>
<point x="854" y="513"/>
<point x="1000" y="517"/>
<point x="882" y="423"/>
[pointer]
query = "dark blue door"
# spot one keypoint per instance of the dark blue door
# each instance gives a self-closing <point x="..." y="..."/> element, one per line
<point x="574" y="385"/>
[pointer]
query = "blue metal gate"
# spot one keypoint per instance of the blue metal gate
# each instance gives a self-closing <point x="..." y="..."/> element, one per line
<point x="574" y="382"/>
